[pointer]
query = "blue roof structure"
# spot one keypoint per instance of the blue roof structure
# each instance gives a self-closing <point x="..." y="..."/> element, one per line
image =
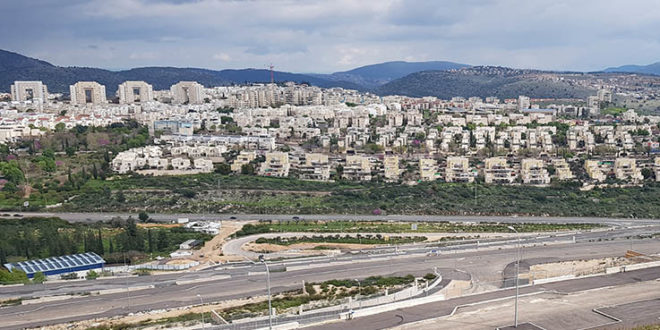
<point x="59" y="265"/>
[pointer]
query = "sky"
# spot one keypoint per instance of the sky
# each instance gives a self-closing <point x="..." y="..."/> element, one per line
<point x="333" y="35"/>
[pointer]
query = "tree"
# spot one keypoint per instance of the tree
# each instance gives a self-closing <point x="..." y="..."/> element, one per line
<point x="10" y="187"/>
<point x="143" y="216"/>
<point x="94" y="171"/>
<point x="163" y="240"/>
<point x="60" y="127"/>
<point x="70" y="151"/>
<point x="12" y="172"/>
<point x="3" y="256"/>
<point x="223" y="169"/>
<point x="150" y="241"/>
<point x="247" y="169"/>
<point x="647" y="173"/>
<point x="38" y="277"/>
<point x="120" y="196"/>
<point x="99" y="243"/>
<point x="92" y="275"/>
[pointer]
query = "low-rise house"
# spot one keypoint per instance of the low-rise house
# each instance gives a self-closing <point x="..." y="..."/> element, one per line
<point x="357" y="168"/>
<point x="243" y="158"/>
<point x="458" y="170"/>
<point x="189" y="244"/>
<point x="204" y="165"/>
<point x="180" y="163"/>
<point x="534" y="172"/>
<point x="562" y="170"/>
<point x="626" y="169"/>
<point x="428" y="169"/>
<point x="276" y="164"/>
<point x="391" y="167"/>
<point x="315" y="167"/>
<point x="594" y="171"/>
<point x="497" y="170"/>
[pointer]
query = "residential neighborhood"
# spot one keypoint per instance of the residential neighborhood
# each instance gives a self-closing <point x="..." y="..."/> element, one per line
<point x="319" y="134"/>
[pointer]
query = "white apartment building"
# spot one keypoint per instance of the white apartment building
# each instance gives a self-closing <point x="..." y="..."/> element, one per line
<point x="357" y="168"/>
<point x="87" y="92"/>
<point x="458" y="170"/>
<point x="276" y="164"/>
<point x="533" y="171"/>
<point x="187" y="92"/>
<point x="316" y="167"/>
<point x="131" y="92"/>
<point x="428" y="169"/>
<point x="497" y="170"/>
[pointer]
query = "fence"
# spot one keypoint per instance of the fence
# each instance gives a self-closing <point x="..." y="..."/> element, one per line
<point x="151" y="267"/>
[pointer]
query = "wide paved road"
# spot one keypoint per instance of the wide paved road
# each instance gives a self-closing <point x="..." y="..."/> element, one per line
<point x="93" y="217"/>
<point x="443" y="308"/>
<point x="485" y="267"/>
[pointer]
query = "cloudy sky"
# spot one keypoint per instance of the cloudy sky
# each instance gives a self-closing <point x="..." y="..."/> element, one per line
<point x="333" y="35"/>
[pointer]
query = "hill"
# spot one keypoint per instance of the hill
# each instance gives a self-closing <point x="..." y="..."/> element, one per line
<point x="372" y="76"/>
<point x="483" y="81"/>
<point x="15" y="66"/>
<point x="646" y="69"/>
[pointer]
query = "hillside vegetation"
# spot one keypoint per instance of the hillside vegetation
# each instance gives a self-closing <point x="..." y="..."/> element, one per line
<point x="481" y="83"/>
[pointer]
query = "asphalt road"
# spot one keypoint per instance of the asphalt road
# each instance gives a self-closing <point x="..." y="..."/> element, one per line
<point x="444" y="308"/>
<point x="93" y="217"/>
<point x="82" y="286"/>
<point x="485" y="267"/>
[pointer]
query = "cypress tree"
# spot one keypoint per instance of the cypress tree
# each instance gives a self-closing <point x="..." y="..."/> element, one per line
<point x="99" y="248"/>
<point x="151" y="242"/>
<point x="3" y="257"/>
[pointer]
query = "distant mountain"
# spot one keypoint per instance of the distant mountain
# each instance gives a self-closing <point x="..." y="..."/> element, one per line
<point x="482" y="81"/>
<point x="371" y="76"/>
<point x="646" y="69"/>
<point x="15" y="66"/>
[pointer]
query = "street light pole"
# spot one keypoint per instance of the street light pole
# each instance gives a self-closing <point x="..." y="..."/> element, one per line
<point x="270" y="308"/>
<point x="515" y="320"/>
<point x="359" y="286"/>
<point x="202" y="302"/>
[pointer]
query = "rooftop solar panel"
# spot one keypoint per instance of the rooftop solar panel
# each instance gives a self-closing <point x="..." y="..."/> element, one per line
<point x="59" y="263"/>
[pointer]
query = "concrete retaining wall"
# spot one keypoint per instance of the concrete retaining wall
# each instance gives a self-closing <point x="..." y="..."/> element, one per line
<point x="393" y="306"/>
<point x="553" y="279"/>
<point x="619" y="269"/>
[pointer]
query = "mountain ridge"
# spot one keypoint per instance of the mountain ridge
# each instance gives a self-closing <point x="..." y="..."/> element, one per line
<point x="653" y="68"/>
<point x="482" y="81"/>
<point x="14" y="66"/>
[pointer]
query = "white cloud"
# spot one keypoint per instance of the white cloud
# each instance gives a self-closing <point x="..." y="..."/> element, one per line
<point x="222" y="57"/>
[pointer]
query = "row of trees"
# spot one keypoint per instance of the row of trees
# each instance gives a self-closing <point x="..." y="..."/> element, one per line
<point x="31" y="238"/>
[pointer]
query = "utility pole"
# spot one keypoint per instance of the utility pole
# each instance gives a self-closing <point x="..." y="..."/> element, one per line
<point x="515" y="320"/>
<point x="202" y="302"/>
<point x="270" y="307"/>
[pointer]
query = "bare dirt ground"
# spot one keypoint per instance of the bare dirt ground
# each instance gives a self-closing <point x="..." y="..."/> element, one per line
<point x="158" y="225"/>
<point x="255" y="247"/>
<point x="576" y="267"/>
<point x="211" y="251"/>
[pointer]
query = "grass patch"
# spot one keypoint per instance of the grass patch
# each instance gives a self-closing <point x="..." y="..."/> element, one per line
<point x="360" y="239"/>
